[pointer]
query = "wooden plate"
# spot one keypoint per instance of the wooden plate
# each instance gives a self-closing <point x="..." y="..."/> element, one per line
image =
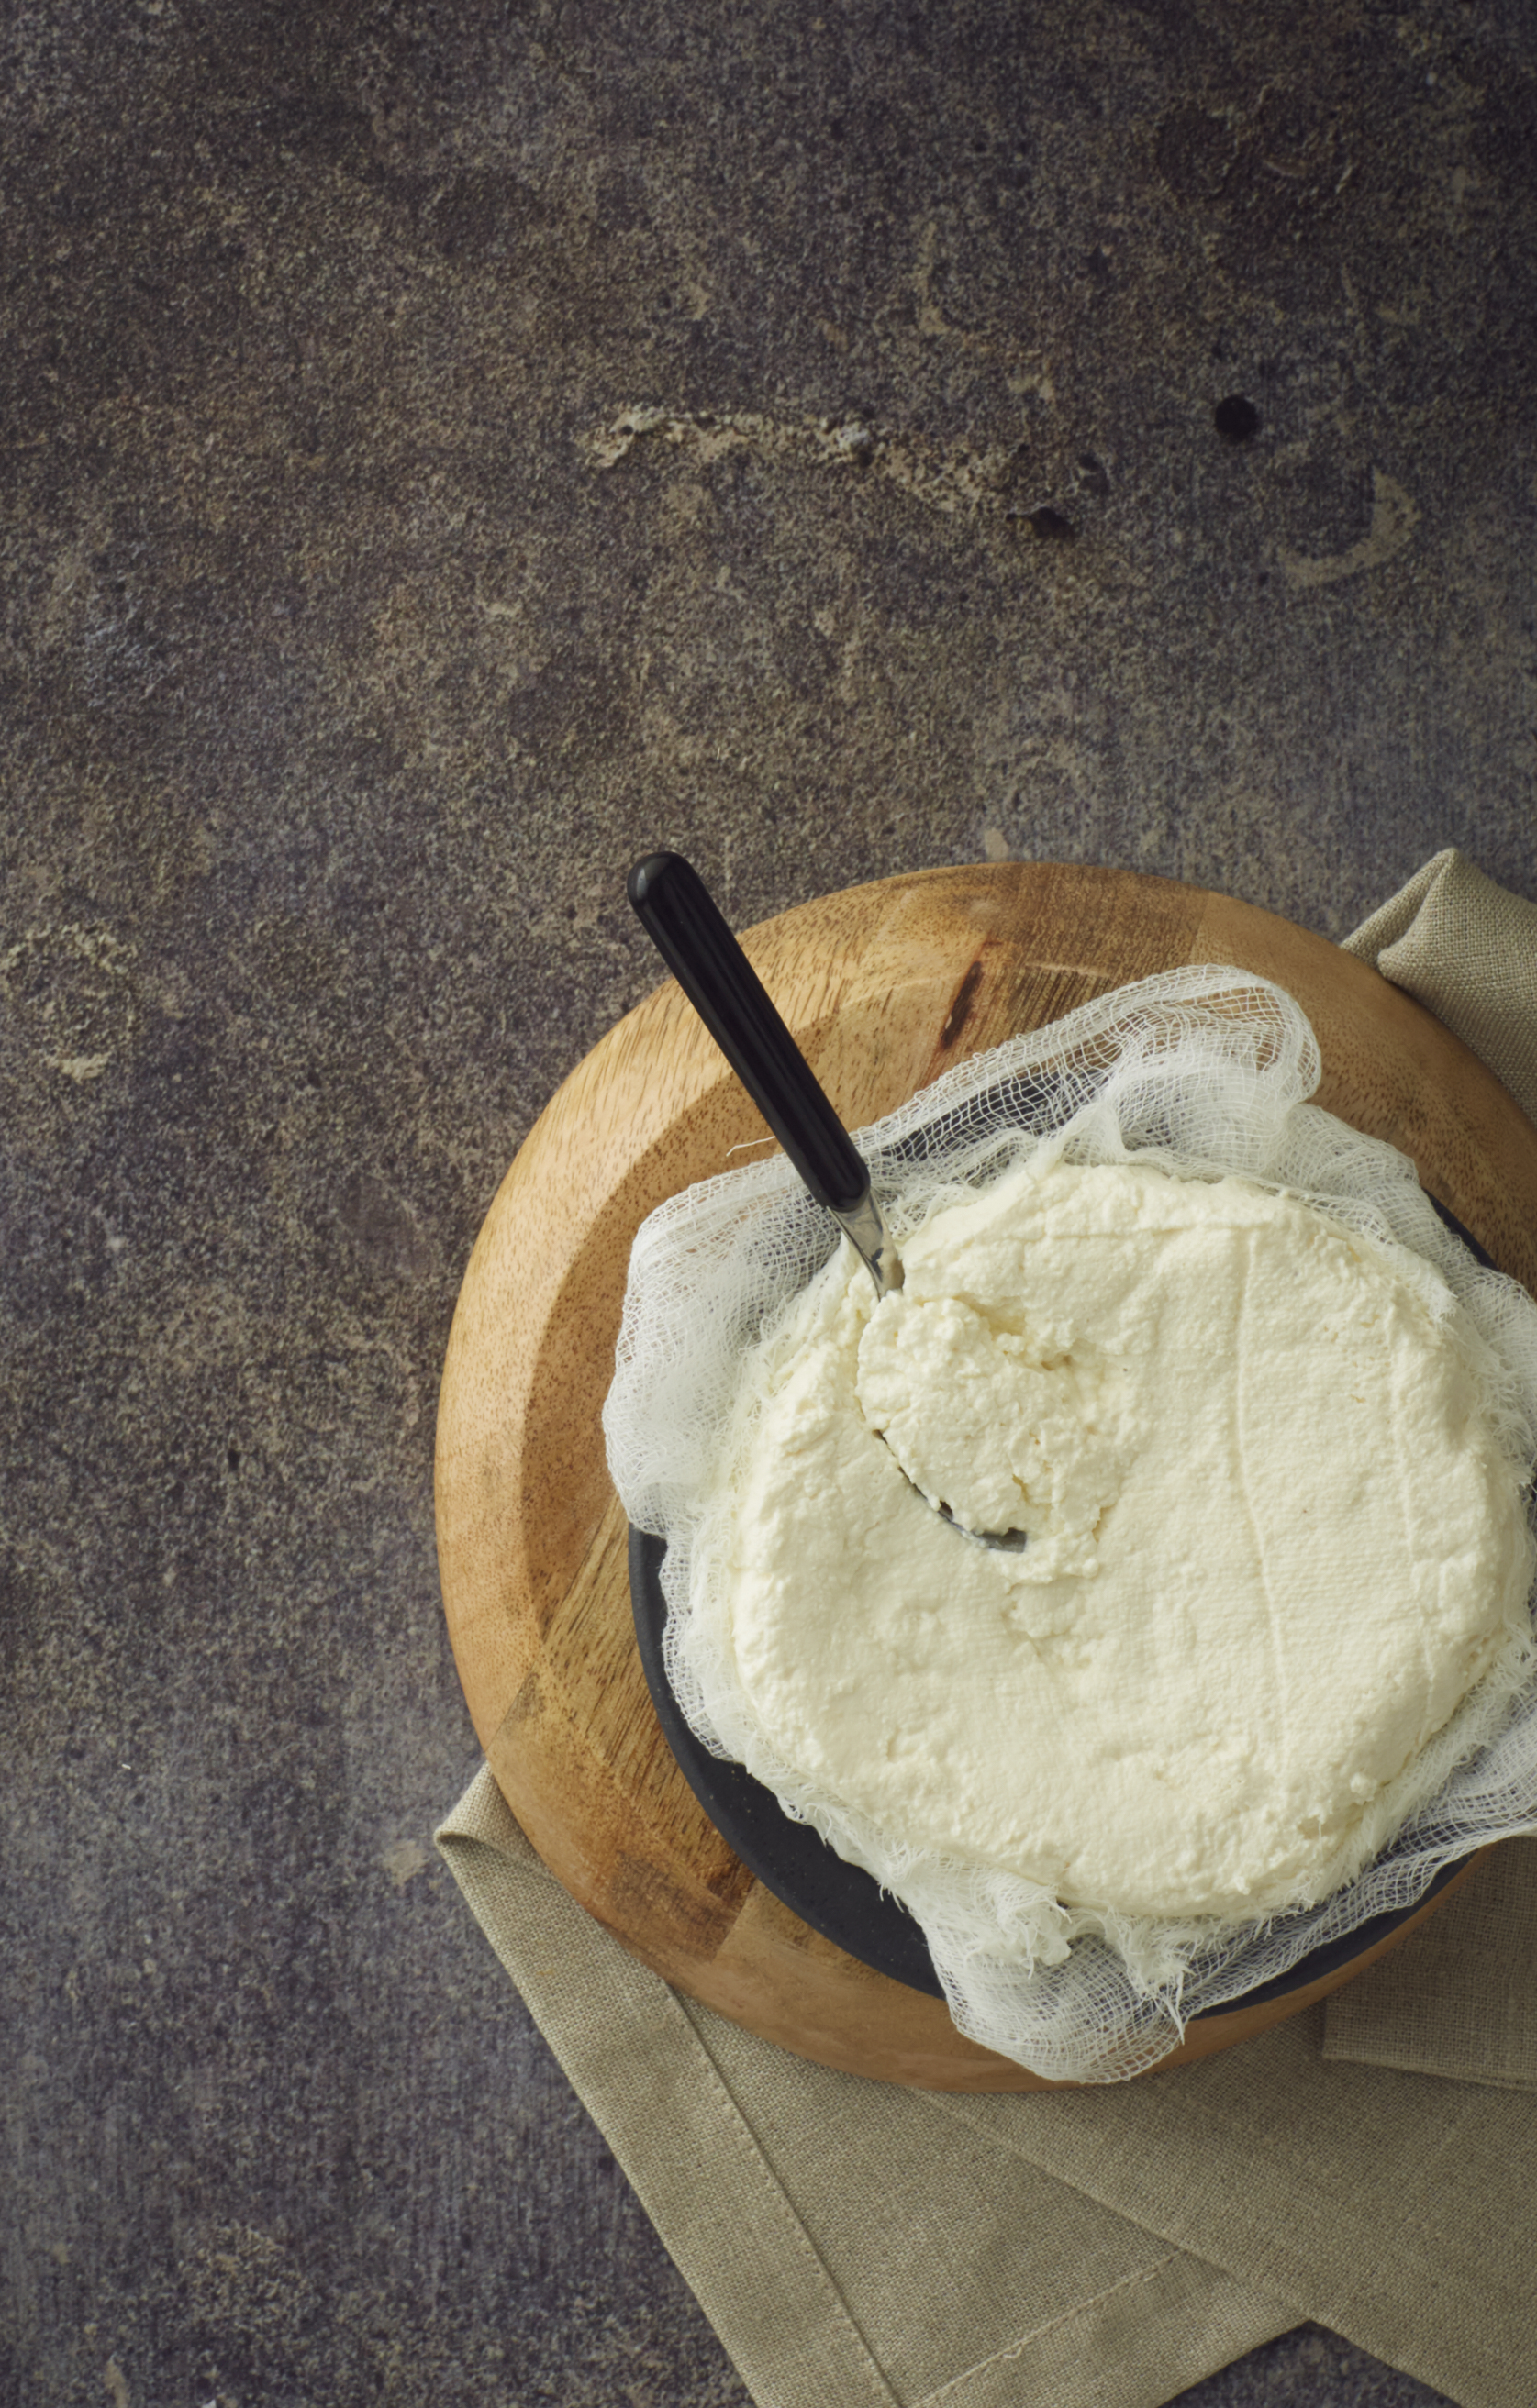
<point x="884" y="986"/>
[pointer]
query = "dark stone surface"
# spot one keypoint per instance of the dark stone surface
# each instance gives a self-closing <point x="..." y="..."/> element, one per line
<point x="1310" y="2368"/>
<point x="341" y="682"/>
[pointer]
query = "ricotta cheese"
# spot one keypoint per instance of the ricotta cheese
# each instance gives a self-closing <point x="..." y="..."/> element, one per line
<point x="1271" y="1539"/>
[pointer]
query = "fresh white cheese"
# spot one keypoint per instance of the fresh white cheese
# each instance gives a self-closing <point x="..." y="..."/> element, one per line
<point x="1272" y="1540"/>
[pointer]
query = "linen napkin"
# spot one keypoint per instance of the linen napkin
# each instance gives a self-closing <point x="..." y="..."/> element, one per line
<point x="1364" y="2164"/>
<point x="1467" y="950"/>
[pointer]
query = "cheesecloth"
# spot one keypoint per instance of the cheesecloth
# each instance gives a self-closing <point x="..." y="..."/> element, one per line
<point x="1203" y="1071"/>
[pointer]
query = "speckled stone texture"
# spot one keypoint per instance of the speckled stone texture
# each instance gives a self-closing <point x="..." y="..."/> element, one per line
<point x="447" y="450"/>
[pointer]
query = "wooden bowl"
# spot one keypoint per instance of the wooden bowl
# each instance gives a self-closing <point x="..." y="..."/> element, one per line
<point x="884" y="986"/>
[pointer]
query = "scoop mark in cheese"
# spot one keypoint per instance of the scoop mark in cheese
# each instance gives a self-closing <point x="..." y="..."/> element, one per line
<point x="1016" y="1448"/>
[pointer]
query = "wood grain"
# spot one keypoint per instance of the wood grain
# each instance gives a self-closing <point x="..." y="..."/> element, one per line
<point x="884" y="986"/>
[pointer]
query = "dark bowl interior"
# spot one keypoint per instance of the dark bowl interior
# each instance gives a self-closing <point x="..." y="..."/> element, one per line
<point x="842" y="1901"/>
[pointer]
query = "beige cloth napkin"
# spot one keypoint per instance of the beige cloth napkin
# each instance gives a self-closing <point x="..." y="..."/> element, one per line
<point x="1368" y="2164"/>
<point x="1467" y="950"/>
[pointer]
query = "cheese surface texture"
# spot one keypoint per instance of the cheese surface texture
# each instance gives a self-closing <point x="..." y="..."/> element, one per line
<point x="1271" y="1539"/>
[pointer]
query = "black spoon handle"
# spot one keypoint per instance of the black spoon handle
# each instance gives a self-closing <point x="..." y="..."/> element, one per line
<point x="676" y="912"/>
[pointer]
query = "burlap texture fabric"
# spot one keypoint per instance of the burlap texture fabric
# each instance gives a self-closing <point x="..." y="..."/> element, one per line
<point x="1467" y="950"/>
<point x="1458" y="1997"/>
<point x="1367" y="2164"/>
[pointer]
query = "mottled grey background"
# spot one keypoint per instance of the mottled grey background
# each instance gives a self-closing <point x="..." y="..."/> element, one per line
<point x="358" y="633"/>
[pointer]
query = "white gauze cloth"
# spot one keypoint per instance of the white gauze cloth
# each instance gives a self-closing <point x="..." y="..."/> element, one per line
<point x="1202" y="1072"/>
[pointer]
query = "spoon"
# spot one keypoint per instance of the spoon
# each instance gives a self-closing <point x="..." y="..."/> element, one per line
<point x="675" y="909"/>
